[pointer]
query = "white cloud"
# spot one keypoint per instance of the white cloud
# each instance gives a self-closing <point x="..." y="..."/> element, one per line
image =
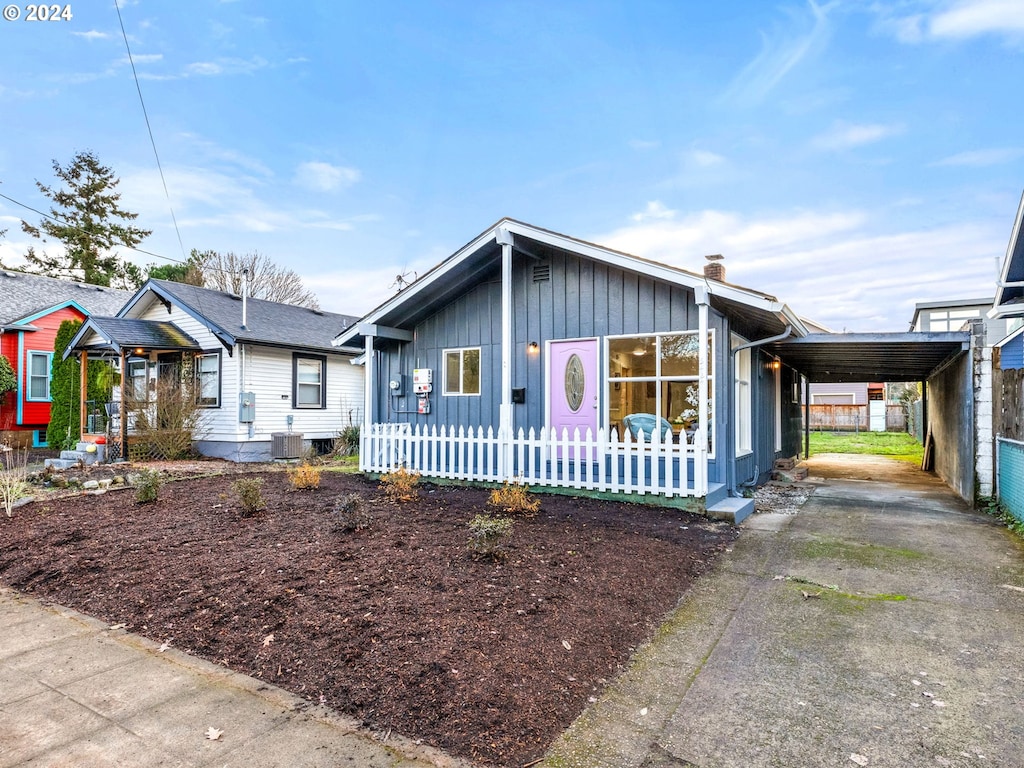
<point x="832" y="267"/>
<point x="324" y="177"/>
<point x="703" y="158"/>
<point x="226" y="66"/>
<point x="981" y="158"/>
<point x="643" y="145"/>
<point x="844" y="135"/>
<point x="958" y="20"/>
<point x="92" y="34"/>
<point x="655" y="210"/>
<point x="969" y="18"/>
<point x="142" y="58"/>
<point x="780" y="53"/>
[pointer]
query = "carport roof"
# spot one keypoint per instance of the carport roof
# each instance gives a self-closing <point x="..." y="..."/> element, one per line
<point x="853" y="357"/>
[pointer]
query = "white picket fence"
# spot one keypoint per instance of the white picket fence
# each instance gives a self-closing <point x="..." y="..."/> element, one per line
<point x="601" y="462"/>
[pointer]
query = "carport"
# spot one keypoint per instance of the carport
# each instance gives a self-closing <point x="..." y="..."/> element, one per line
<point x="941" y="361"/>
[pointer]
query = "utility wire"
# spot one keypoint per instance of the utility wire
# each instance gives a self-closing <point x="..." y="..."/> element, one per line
<point x="149" y="128"/>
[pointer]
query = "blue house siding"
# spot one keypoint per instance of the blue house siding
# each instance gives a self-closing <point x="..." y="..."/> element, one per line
<point x="1011" y="354"/>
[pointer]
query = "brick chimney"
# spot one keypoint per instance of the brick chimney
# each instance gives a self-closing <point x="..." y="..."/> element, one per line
<point x="714" y="269"/>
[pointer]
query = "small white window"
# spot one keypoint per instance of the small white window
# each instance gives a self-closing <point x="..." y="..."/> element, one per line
<point x="39" y="375"/>
<point x="309" y="374"/>
<point x="462" y="371"/>
<point x="208" y="380"/>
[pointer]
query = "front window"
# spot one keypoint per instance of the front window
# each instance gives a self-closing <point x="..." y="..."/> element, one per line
<point x="39" y="375"/>
<point x="138" y="378"/>
<point x="743" y="409"/>
<point x="462" y="371"/>
<point x="309" y="379"/>
<point x="207" y="371"/>
<point x="657" y="374"/>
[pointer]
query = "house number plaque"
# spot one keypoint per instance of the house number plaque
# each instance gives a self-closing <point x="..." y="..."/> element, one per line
<point x="575" y="382"/>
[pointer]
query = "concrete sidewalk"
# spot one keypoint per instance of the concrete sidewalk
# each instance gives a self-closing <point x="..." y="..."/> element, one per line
<point x="882" y="625"/>
<point x="74" y="692"/>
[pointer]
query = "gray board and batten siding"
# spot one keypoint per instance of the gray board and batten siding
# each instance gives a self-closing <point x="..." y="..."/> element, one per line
<point x="560" y="295"/>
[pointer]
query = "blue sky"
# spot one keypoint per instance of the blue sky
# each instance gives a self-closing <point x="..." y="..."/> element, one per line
<point x="851" y="158"/>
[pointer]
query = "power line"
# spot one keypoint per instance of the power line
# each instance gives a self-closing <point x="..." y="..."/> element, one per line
<point x="149" y="128"/>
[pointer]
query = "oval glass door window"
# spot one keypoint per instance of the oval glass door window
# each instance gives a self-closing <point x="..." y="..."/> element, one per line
<point x="575" y="382"/>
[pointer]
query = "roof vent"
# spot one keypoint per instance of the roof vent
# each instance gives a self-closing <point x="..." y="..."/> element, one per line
<point x="541" y="273"/>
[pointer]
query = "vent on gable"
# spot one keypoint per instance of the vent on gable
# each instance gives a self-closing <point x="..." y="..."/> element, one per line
<point x="541" y="273"/>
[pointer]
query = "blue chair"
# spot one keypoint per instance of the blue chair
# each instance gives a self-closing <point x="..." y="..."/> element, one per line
<point x="647" y="423"/>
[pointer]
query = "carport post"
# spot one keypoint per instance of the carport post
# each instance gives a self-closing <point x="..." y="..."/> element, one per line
<point x="807" y="418"/>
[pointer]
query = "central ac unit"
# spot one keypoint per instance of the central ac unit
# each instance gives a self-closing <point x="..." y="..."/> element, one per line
<point x="285" y="445"/>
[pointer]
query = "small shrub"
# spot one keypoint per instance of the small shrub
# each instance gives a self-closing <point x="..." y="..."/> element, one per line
<point x="13" y="477"/>
<point x="400" y="485"/>
<point x="514" y="498"/>
<point x="250" y="494"/>
<point x="147" y="485"/>
<point x="304" y="477"/>
<point x="347" y="441"/>
<point x="488" y="536"/>
<point x="351" y="514"/>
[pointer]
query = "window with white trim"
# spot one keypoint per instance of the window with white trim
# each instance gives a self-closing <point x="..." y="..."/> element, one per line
<point x="658" y="373"/>
<point x="39" y="375"/>
<point x="137" y="380"/>
<point x="462" y="371"/>
<point x="744" y="443"/>
<point x="207" y="373"/>
<point x="309" y="381"/>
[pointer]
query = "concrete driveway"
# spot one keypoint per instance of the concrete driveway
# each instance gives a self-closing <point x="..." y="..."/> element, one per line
<point x="881" y="625"/>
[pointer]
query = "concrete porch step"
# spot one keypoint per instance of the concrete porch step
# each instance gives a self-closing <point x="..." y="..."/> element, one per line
<point x="60" y="463"/>
<point x="732" y="509"/>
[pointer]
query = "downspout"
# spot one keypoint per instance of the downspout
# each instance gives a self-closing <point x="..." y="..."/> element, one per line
<point x="504" y="239"/>
<point x="751" y="345"/>
<point x="700" y="473"/>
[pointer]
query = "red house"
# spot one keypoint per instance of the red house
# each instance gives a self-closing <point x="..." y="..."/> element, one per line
<point x="31" y="311"/>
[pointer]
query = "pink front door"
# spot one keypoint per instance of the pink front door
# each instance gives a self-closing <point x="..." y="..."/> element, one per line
<point x="572" y="386"/>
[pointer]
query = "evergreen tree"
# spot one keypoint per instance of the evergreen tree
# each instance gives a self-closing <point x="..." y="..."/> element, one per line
<point x="63" y="431"/>
<point x="88" y="222"/>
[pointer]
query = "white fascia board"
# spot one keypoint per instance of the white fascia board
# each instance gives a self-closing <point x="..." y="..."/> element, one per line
<point x="659" y="271"/>
<point x="1004" y="273"/>
<point x="1010" y="338"/>
<point x="1005" y="310"/>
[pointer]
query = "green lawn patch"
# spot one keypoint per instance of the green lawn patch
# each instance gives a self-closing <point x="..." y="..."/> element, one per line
<point x="896" y="445"/>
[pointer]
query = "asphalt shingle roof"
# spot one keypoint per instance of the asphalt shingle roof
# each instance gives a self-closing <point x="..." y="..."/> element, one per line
<point x="150" y="334"/>
<point x="267" y="322"/>
<point x="23" y="295"/>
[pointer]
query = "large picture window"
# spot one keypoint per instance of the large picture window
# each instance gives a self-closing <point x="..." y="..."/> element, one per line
<point x="39" y="375"/>
<point x="657" y="374"/>
<point x="207" y="372"/>
<point x="462" y="371"/>
<point x="309" y="381"/>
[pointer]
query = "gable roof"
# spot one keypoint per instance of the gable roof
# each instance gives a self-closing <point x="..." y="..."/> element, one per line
<point x="267" y="322"/>
<point x="25" y="297"/>
<point x="117" y="333"/>
<point x="1010" y="289"/>
<point x="478" y="257"/>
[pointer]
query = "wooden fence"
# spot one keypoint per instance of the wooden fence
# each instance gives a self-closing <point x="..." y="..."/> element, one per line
<point x="854" y="418"/>
<point x="601" y="462"/>
<point x="1007" y="400"/>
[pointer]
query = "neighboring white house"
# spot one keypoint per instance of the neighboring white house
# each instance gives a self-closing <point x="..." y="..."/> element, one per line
<point x="263" y="370"/>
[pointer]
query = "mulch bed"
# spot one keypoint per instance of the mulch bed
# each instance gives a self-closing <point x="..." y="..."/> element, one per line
<point x="396" y="624"/>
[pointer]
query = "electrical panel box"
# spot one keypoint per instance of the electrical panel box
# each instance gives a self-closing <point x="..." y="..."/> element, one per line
<point x="247" y="407"/>
<point x="422" y="380"/>
<point x="395" y="385"/>
<point x="422" y="405"/>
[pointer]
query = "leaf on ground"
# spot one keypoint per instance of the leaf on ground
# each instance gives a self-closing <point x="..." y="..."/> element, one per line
<point x="567" y="645"/>
<point x="268" y="640"/>
<point x="809" y="595"/>
<point x="858" y="759"/>
<point x="163" y="647"/>
<point x="122" y="625"/>
<point x="213" y="733"/>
